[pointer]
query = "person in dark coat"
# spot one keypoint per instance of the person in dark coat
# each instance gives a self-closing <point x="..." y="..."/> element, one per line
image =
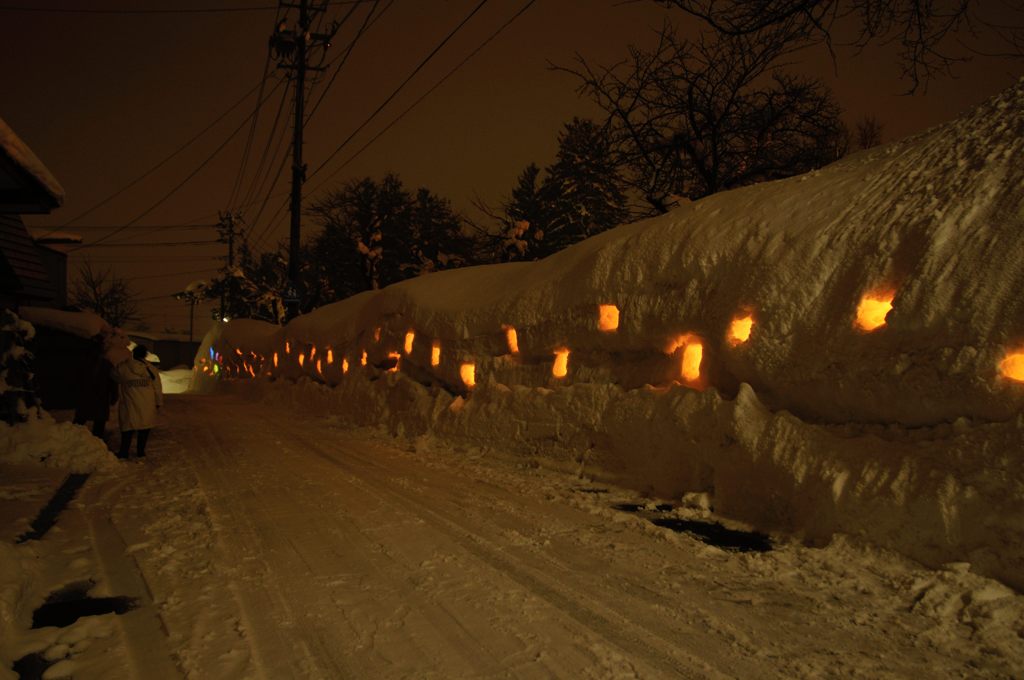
<point x="97" y="390"/>
<point x="141" y="396"/>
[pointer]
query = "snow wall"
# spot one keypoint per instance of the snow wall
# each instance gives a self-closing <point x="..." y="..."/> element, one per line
<point x="909" y="434"/>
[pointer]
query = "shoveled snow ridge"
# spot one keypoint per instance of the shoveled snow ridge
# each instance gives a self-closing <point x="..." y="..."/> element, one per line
<point x="907" y="433"/>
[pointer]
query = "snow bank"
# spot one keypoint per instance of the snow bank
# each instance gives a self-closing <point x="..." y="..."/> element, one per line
<point x="19" y="152"/>
<point x="43" y="441"/>
<point x="810" y="414"/>
<point x="84" y="325"/>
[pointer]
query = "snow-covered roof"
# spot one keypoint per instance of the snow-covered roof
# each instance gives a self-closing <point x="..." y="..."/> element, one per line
<point x="82" y="324"/>
<point x="21" y="155"/>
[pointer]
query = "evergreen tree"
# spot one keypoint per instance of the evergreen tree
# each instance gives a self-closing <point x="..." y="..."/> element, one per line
<point x="582" y="191"/>
<point x="16" y="390"/>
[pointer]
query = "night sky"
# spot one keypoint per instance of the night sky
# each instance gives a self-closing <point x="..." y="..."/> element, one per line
<point x="102" y="97"/>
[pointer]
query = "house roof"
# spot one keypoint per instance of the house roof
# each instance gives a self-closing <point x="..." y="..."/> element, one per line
<point x="26" y="186"/>
<point x="21" y="271"/>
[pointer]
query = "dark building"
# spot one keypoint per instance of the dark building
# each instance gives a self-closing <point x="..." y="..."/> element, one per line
<point x="27" y="187"/>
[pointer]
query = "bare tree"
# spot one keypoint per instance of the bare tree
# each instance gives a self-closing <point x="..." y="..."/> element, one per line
<point x="920" y="28"/>
<point x="105" y="294"/>
<point x="688" y="119"/>
<point x="869" y="132"/>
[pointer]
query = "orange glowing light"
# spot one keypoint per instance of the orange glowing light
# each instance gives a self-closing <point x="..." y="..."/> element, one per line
<point x="330" y="356"/>
<point x="319" y="368"/>
<point x="312" y="352"/>
<point x="275" y="359"/>
<point x="512" y="339"/>
<point x="287" y="347"/>
<point x="561" y="366"/>
<point x="1012" y="366"/>
<point x="435" y="353"/>
<point x="397" y="357"/>
<point x="362" y="359"/>
<point x="468" y="374"/>
<point x="238" y="351"/>
<point x="607" y="318"/>
<point x="692" y="355"/>
<point x="872" y="309"/>
<point x="409" y="337"/>
<point x="302" y="359"/>
<point x="344" y="365"/>
<point x="739" y="330"/>
<point x="376" y="334"/>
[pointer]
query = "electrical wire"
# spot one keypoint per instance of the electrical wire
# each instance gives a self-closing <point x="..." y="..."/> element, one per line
<point x="401" y="86"/>
<point x="148" y="244"/>
<point x="162" y="10"/>
<point x="160" y="164"/>
<point x="426" y="94"/>
<point x="189" y="177"/>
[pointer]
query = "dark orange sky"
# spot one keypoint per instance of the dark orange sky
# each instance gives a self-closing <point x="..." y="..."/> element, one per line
<point x="101" y="98"/>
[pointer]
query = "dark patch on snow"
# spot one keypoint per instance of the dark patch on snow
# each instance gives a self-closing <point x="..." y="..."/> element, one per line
<point x="711" y="533"/>
<point x="70" y="603"/>
<point x="636" y="507"/>
<point x="31" y="666"/>
<point x="717" y="535"/>
<point x="47" y="517"/>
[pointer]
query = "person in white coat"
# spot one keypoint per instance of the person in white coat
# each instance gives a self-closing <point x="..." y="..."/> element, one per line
<point x="141" y="396"/>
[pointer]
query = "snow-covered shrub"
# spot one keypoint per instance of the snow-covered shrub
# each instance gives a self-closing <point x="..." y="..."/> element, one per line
<point x="16" y="391"/>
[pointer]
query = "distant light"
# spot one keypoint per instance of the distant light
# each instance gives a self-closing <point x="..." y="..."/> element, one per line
<point x="238" y="351"/>
<point x="330" y="356"/>
<point x="607" y="318"/>
<point x="362" y="359"/>
<point x="376" y="334"/>
<point x="873" y="308"/>
<point x="435" y="353"/>
<point x="409" y="337"/>
<point x="468" y="374"/>
<point x="287" y="347"/>
<point x="739" y="330"/>
<point x="397" y="357"/>
<point x="344" y="365"/>
<point x="275" y="359"/>
<point x="212" y="356"/>
<point x="319" y="368"/>
<point x="302" y="359"/>
<point x="312" y="352"/>
<point x="225" y="319"/>
<point x="512" y="339"/>
<point x="561" y="366"/>
<point x="216" y="369"/>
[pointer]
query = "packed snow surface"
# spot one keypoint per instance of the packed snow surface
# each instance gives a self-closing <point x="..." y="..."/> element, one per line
<point x="41" y="440"/>
<point x="826" y="353"/>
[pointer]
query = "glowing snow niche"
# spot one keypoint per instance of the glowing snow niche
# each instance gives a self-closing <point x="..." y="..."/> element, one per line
<point x="287" y="347"/>
<point x="302" y="359"/>
<point x="692" y="356"/>
<point x="607" y="318"/>
<point x="435" y="353"/>
<point x="344" y="365"/>
<point x="512" y="339"/>
<point x="397" y="358"/>
<point x="376" y="334"/>
<point x="872" y="309"/>
<point x="275" y="359"/>
<point x="468" y="374"/>
<point x="739" y="329"/>
<point x="1012" y="366"/>
<point x="560" y="368"/>
<point x="362" y="358"/>
<point x="330" y="356"/>
<point x="409" y="337"/>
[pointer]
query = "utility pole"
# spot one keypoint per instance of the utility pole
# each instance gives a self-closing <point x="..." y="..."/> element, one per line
<point x="226" y="227"/>
<point x="292" y="48"/>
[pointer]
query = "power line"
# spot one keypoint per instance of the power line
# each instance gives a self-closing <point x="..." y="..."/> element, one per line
<point x="190" y="175"/>
<point x="426" y="94"/>
<point x="160" y="10"/>
<point x="401" y="86"/>
<point x="163" y="162"/>
<point x="164" y="276"/>
<point x="137" y="245"/>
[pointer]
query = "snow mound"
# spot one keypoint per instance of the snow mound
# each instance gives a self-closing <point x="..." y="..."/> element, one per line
<point x="824" y="353"/>
<point x="43" y="441"/>
<point x="19" y="152"/>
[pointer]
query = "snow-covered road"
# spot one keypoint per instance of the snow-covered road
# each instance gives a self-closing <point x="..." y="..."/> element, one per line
<point x="275" y="544"/>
